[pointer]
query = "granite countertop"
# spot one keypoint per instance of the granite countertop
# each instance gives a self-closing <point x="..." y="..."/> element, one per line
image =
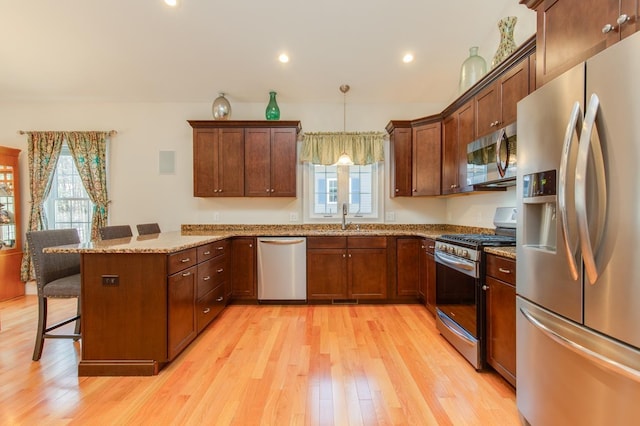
<point x="194" y="235"/>
<point x="508" y="252"/>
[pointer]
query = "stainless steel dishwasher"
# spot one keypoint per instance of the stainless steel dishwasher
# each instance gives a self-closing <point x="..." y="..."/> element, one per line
<point x="282" y="268"/>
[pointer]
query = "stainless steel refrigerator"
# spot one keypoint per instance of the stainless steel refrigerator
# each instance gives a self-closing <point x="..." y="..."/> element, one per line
<point x="578" y="244"/>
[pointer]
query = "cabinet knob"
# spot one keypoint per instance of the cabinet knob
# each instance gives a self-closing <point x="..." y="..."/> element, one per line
<point x="608" y="28"/>
<point x="485" y="287"/>
<point x="415" y="190"/>
<point x="623" y="18"/>
<point x="250" y="245"/>
<point x="344" y="256"/>
<point x="397" y="190"/>
<point x="273" y="190"/>
<point x="267" y="189"/>
<point x="220" y="190"/>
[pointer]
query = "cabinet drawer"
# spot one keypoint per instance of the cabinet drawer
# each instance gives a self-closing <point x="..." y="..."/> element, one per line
<point x="326" y="242"/>
<point x="429" y="245"/>
<point x="181" y="260"/>
<point x="209" y="306"/>
<point x="212" y="250"/>
<point x="501" y="268"/>
<point x="367" y="242"/>
<point x="211" y="273"/>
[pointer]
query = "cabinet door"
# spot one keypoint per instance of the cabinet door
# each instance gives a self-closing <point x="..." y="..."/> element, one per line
<point x="501" y="328"/>
<point x="631" y="9"/>
<point x="283" y="162"/>
<point x="407" y="261"/>
<point x="257" y="162"/>
<point x="514" y="86"/>
<point x="487" y="110"/>
<point x="570" y="31"/>
<point x="10" y="229"/>
<point x="181" y="329"/>
<point x="426" y="159"/>
<point x="367" y="271"/>
<point x="205" y="158"/>
<point x="450" y="154"/>
<point x="400" y="162"/>
<point x="326" y="274"/>
<point x="231" y="163"/>
<point x="243" y="268"/>
<point x="466" y="134"/>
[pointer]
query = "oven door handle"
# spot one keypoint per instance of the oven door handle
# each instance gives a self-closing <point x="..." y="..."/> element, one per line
<point x="455" y="328"/>
<point x="468" y="268"/>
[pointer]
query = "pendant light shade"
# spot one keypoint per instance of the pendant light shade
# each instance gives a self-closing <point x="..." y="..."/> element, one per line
<point x="221" y="108"/>
<point x="344" y="159"/>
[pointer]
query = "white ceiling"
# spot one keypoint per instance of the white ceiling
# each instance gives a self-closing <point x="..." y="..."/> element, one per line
<point x="144" y="51"/>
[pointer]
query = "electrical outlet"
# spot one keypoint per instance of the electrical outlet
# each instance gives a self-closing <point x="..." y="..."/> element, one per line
<point x="293" y="216"/>
<point x="110" y="280"/>
<point x="390" y="216"/>
<point x="216" y="216"/>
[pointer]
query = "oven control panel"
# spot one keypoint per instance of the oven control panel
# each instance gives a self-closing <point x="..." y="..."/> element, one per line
<point x="463" y="252"/>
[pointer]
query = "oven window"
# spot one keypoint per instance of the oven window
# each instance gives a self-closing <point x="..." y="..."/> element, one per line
<point x="456" y="297"/>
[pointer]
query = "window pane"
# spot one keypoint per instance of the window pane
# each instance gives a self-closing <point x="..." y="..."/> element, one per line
<point x="325" y="189"/>
<point x="360" y="190"/>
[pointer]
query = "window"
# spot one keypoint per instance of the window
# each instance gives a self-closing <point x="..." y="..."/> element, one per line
<point x="331" y="186"/>
<point x="68" y="204"/>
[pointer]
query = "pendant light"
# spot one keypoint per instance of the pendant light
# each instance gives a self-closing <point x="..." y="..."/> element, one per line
<point x="344" y="159"/>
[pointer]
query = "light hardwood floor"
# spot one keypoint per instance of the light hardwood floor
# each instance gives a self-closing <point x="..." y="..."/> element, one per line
<point x="268" y="365"/>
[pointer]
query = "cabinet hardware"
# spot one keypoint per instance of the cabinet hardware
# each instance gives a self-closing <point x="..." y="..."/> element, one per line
<point x="608" y="28"/>
<point x="186" y="274"/>
<point x="267" y="189"/>
<point x="432" y="247"/>
<point x="273" y="190"/>
<point x="220" y="270"/>
<point x="206" y="310"/>
<point x="504" y="271"/>
<point x="485" y="287"/>
<point x="185" y="260"/>
<point x="207" y="253"/>
<point x="344" y="256"/>
<point x="220" y="248"/>
<point x="207" y="278"/>
<point x="220" y="299"/>
<point x="397" y="190"/>
<point x="623" y="18"/>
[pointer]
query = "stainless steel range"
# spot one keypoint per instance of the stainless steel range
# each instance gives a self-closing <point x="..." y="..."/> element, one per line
<point x="460" y="298"/>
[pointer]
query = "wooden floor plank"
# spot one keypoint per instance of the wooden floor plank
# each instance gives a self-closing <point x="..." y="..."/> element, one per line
<point x="262" y="365"/>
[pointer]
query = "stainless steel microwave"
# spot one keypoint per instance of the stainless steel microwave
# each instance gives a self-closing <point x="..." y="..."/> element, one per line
<point x="492" y="159"/>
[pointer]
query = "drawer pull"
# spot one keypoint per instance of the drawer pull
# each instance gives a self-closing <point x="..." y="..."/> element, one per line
<point x="432" y="247"/>
<point x="504" y="271"/>
<point x="186" y="274"/>
<point x="207" y="253"/>
<point x="220" y="270"/>
<point x="206" y="310"/>
<point x="220" y="248"/>
<point x="220" y="299"/>
<point x="185" y="260"/>
<point x="207" y="278"/>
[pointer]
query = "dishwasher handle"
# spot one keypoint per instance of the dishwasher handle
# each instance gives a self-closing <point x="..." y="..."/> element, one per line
<point x="282" y="242"/>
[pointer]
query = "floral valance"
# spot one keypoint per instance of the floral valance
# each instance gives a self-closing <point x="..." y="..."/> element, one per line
<point x="326" y="148"/>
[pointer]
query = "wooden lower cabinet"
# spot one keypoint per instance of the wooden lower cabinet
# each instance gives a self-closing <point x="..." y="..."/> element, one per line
<point x="346" y="268"/>
<point x="408" y="253"/>
<point x="501" y="316"/>
<point x="157" y="307"/>
<point x="427" y="273"/>
<point x="243" y="268"/>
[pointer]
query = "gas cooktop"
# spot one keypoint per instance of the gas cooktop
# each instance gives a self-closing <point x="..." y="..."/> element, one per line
<point x="479" y="239"/>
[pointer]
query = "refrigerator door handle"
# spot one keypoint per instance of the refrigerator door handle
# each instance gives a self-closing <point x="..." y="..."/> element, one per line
<point x="586" y="145"/>
<point x="570" y="244"/>
<point x="601" y="360"/>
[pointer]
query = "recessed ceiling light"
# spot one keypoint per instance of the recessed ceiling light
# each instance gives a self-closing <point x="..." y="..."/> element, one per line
<point x="407" y="58"/>
<point x="172" y="3"/>
<point x="284" y="58"/>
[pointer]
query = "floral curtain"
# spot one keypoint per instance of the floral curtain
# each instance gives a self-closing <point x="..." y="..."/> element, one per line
<point x="44" y="150"/>
<point x="89" y="154"/>
<point x="326" y="148"/>
<point x="88" y="150"/>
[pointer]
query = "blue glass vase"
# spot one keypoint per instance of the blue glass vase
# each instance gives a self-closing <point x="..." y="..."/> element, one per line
<point x="273" y="111"/>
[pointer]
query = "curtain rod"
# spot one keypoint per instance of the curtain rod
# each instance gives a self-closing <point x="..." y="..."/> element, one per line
<point x="110" y="132"/>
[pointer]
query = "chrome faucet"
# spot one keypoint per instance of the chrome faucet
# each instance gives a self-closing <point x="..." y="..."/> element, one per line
<point x="345" y="210"/>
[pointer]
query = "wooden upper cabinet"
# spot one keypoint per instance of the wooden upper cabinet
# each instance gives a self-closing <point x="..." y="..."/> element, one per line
<point x="218" y="162"/>
<point x="400" y="158"/>
<point x="496" y="106"/>
<point x="571" y="31"/>
<point x="426" y="159"/>
<point x="458" y="131"/>
<point x="244" y="158"/>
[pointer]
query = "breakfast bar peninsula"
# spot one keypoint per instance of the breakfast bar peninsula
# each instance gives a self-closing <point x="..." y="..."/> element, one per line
<point x="145" y="298"/>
